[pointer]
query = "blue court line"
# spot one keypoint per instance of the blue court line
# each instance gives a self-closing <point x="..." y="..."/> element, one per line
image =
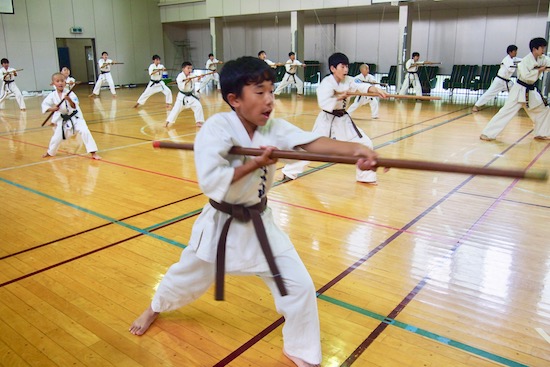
<point x="425" y="333"/>
<point x="99" y="215"/>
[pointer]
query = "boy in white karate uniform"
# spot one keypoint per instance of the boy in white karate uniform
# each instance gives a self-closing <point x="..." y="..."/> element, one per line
<point x="67" y="117"/>
<point x="263" y="56"/>
<point x="502" y="82"/>
<point x="290" y="77"/>
<point x="237" y="183"/>
<point x="411" y="78"/>
<point x="525" y="95"/>
<point x="186" y="98"/>
<point x="69" y="80"/>
<point x="156" y="84"/>
<point x="333" y="120"/>
<point x="104" y="65"/>
<point x="365" y="77"/>
<point x="8" y="85"/>
<point x="211" y="68"/>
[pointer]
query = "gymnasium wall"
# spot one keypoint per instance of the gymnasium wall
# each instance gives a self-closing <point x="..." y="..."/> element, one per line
<point x="129" y="30"/>
<point x="452" y="36"/>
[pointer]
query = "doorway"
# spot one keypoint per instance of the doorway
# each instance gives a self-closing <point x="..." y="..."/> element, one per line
<point x="78" y="54"/>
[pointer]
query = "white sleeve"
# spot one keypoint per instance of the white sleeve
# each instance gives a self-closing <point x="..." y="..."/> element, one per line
<point x="48" y="102"/>
<point x="325" y="95"/>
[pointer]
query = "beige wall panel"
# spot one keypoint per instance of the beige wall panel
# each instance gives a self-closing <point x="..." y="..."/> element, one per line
<point x="62" y="11"/>
<point x="43" y="49"/>
<point x="250" y="7"/>
<point x="231" y="7"/>
<point x="83" y="17"/>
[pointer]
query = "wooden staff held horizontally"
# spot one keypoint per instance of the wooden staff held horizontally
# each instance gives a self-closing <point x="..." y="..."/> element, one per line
<point x="397" y="96"/>
<point x="59" y="104"/>
<point x="380" y="162"/>
<point x="193" y="77"/>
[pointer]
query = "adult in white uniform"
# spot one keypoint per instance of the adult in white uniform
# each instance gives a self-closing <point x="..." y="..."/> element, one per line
<point x="502" y="82"/>
<point x="333" y="121"/>
<point x="67" y="117"/>
<point x="242" y="182"/>
<point x="290" y="78"/>
<point x="8" y="85"/>
<point x="525" y="95"/>
<point x="411" y="77"/>
<point x="186" y="98"/>
<point x="365" y="77"/>
<point x="104" y="67"/>
<point x="156" y="84"/>
<point x="211" y="67"/>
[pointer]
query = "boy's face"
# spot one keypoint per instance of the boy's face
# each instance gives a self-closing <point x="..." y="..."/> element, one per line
<point x="255" y="104"/>
<point x="293" y="57"/>
<point x="365" y="71"/>
<point x="66" y="72"/>
<point x="539" y="51"/>
<point x="416" y="58"/>
<point x="59" y="82"/>
<point x="262" y="56"/>
<point x="6" y="65"/>
<point x="513" y="53"/>
<point x="340" y="71"/>
<point x="211" y="58"/>
<point x="104" y="56"/>
<point x="187" y="70"/>
<point x="156" y="61"/>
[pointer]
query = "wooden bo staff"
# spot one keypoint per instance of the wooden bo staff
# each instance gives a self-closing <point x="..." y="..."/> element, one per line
<point x="13" y="71"/>
<point x="193" y="77"/>
<point x="59" y="104"/>
<point x="397" y="96"/>
<point x="380" y="162"/>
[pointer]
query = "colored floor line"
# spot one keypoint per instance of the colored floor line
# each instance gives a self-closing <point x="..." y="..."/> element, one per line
<point x="422" y="332"/>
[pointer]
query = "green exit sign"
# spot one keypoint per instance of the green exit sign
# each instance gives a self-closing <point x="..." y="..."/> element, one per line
<point x="76" y="30"/>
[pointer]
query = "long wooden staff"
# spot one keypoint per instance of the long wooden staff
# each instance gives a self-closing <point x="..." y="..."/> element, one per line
<point x="397" y="96"/>
<point x="59" y="104"/>
<point x="193" y="77"/>
<point x="381" y="162"/>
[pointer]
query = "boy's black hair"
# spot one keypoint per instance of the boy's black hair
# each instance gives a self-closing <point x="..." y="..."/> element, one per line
<point x="246" y="70"/>
<point x="291" y="53"/>
<point x="186" y="63"/>
<point x="415" y="54"/>
<point x="210" y="55"/>
<point x="511" y="48"/>
<point x="156" y="57"/>
<point x="337" y="58"/>
<point x="104" y="53"/>
<point x="4" y="61"/>
<point x="537" y="42"/>
<point x="261" y="52"/>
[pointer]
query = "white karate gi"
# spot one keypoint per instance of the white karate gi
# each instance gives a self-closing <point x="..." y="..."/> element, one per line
<point x="77" y="120"/>
<point x="411" y="78"/>
<point x="537" y="111"/>
<point x="339" y="128"/>
<point x="186" y="280"/>
<point x="361" y="100"/>
<point x="8" y="86"/>
<point x="290" y="77"/>
<point x="155" y="85"/>
<point x="211" y="66"/>
<point x="70" y="83"/>
<point x="104" y="76"/>
<point x="270" y="63"/>
<point x="502" y="82"/>
<point x="184" y="101"/>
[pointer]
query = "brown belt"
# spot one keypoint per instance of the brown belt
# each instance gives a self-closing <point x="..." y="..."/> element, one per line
<point x="244" y="214"/>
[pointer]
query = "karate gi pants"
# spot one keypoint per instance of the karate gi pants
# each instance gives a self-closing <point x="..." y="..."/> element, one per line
<point x="361" y="101"/>
<point x="104" y="77"/>
<point x="411" y="79"/>
<point x="188" y="279"/>
<point x="7" y="89"/>
<point x="498" y="85"/>
<point x="79" y="127"/>
<point x="207" y="79"/>
<point x="540" y="115"/>
<point x="184" y="102"/>
<point x="290" y="79"/>
<point x="153" y="88"/>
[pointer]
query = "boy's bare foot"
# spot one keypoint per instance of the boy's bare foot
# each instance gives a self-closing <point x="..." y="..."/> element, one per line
<point x="96" y="156"/>
<point x="542" y="137"/>
<point x="46" y="155"/>
<point x="23" y="109"/>
<point x="142" y="323"/>
<point x="114" y="95"/>
<point x="198" y="124"/>
<point x="485" y="137"/>
<point x="136" y="105"/>
<point x="299" y="362"/>
<point x="168" y="105"/>
<point x="371" y="183"/>
<point x="475" y="109"/>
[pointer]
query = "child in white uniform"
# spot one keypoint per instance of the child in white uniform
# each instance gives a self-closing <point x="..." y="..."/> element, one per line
<point x="211" y="68"/>
<point x="333" y="121"/>
<point x="186" y="98"/>
<point x="236" y="183"/>
<point x="290" y="77"/>
<point x="8" y="85"/>
<point x="67" y="117"/>
<point x="525" y="95"/>
<point x="411" y="78"/>
<point x="365" y="77"/>
<point x="156" y="84"/>
<point x="104" y="65"/>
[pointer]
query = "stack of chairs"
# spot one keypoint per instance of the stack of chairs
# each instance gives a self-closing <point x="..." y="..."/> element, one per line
<point x="279" y="73"/>
<point x="312" y="74"/>
<point x="428" y="78"/>
<point x="390" y="78"/>
<point x="462" y="77"/>
<point x="488" y="73"/>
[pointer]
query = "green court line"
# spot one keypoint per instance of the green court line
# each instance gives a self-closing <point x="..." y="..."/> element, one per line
<point x="99" y="215"/>
<point x="425" y="333"/>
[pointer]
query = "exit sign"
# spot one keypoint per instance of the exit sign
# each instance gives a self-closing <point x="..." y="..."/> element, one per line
<point x="76" y="30"/>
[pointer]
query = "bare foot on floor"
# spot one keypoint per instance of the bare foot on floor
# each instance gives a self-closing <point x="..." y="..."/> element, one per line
<point x="299" y="362"/>
<point x="96" y="156"/>
<point x="142" y="323"/>
<point x="46" y="155"/>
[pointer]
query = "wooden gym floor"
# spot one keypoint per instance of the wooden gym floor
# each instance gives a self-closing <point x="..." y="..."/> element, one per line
<point x="425" y="269"/>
